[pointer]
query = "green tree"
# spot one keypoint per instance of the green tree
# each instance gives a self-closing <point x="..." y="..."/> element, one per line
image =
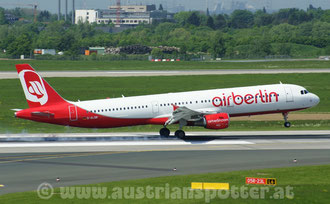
<point x="3" y="19"/>
<point x="210" y="22"/>
<point x="242" y="19"/>
<point x="326" y="16"/>
<point x="218" y="45"/>
<point x="182" y="17"/>
<point x="44" y="16"/>
<point x="261" y="47"/>
<point x="194" y="19"/>
<point x="220" y="22"/>
<point x="285" y="49"/>
<point x="20" y="46"/>
<point x="262" y="19"/>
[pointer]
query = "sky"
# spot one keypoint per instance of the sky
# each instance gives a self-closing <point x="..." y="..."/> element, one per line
<point x="52" y="5"/>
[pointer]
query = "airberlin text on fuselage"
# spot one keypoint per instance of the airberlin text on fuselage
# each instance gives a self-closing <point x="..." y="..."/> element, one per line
<point x="259" y="97"/>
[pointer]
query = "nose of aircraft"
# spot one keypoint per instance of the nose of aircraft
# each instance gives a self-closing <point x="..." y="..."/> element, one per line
<point x="314" y="99"/>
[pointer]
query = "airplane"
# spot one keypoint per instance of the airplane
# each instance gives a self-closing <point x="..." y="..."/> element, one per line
<point x="211" y="109"/>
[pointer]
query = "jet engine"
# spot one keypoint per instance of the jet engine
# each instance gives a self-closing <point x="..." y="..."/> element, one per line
<point x="214" y="121"/>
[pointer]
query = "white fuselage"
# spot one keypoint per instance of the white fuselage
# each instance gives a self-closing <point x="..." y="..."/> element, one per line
<point x="234" y="101"/>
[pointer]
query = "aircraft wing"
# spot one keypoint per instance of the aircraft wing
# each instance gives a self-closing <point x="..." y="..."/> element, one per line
<point x="184" y="113"/>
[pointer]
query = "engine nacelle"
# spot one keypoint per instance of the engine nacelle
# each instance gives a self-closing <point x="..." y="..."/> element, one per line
<point x="214" y="121"/>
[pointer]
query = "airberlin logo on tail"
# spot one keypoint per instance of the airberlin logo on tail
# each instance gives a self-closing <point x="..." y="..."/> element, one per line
<point x="33" y="87"/>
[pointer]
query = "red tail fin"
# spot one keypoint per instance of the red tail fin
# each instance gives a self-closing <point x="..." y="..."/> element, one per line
<point x="37" y="91"/>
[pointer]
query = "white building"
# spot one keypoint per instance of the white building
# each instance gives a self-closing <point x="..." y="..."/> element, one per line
<point x="129" y="15"/>
<point x="131" y="8"/>
<point x="83" y="16"/>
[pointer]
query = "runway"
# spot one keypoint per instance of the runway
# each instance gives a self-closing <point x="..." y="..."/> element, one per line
<point x="124" y="156"/>
<point x="13" y="75"/>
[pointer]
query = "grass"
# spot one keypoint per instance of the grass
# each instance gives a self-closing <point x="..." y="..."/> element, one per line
<point x="12" y="96"/>
<point x="60" y="65"/>
<point x="310" y="184"/>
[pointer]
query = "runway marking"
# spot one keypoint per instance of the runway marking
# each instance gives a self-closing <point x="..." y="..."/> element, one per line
<point x="68" y="154"/>
<point x="55" y="156"/>
<point x="125" y="143"/>
<point x="143" y="72"/>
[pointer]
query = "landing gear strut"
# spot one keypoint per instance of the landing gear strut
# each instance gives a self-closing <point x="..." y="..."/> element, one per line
<point x="180" y="133"/>
<point x="165" y="132"/>
<point x="286" y="123"/>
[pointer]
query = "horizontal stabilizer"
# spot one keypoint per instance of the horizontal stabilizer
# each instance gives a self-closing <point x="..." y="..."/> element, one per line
<point x="16" y="110"/>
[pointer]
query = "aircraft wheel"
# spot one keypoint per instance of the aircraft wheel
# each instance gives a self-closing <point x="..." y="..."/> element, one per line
<point x="287" y="124"/>
<point x="165" y="132"/>
<point x="180" y="134"/>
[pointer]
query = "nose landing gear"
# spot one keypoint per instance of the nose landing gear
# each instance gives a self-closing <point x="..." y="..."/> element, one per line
<point x="286" y="123"/>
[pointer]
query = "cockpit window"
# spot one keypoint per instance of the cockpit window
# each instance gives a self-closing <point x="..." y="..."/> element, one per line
<point x="304" y="92"/>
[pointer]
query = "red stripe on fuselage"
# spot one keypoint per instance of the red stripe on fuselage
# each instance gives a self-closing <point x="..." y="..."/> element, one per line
<point x="61" y="116"/>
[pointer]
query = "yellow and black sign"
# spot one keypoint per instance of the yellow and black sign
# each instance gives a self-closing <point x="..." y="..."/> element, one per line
<point x="271" y="181"/>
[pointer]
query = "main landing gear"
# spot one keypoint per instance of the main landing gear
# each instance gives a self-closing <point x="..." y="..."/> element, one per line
<point x="286" y="123"/>
<point x="165" y="132"/>
<point x="180" y="134"/>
